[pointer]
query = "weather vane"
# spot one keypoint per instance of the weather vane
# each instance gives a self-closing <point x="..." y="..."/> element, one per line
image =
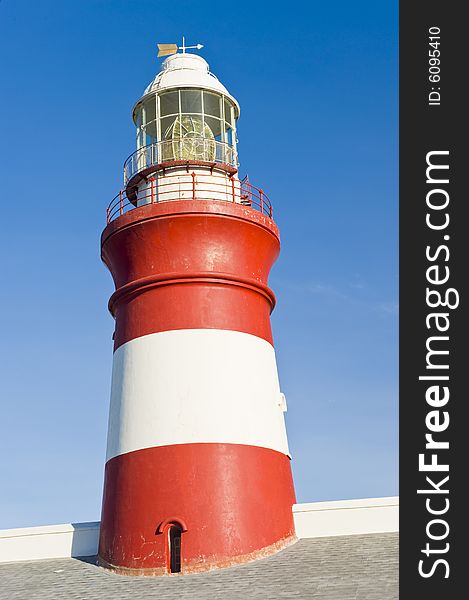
<point x="167" y="49"/>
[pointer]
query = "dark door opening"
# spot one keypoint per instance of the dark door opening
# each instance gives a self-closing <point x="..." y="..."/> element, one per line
<point x="175" y="548"/>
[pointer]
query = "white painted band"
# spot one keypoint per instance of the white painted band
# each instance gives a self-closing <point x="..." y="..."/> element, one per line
<point x="192" y="386"/>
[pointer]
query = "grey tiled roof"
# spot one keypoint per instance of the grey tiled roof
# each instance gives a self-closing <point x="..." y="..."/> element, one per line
<point x="360" y="567"/>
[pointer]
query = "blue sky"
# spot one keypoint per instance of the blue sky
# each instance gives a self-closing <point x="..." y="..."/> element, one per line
<point x="318" y="91"/>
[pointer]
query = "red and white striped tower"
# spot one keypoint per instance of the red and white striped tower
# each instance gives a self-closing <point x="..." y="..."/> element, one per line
<point x="198" y="469"/>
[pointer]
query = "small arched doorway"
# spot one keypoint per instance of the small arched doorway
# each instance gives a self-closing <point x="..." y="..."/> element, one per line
<point x="174" y="548"/>
<point x="172" y="529"/>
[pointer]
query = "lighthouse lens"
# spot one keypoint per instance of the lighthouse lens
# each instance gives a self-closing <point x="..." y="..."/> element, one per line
<point x="192" y="139"/>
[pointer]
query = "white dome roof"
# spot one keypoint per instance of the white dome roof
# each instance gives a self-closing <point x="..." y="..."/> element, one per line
<point x="186" y="70"/>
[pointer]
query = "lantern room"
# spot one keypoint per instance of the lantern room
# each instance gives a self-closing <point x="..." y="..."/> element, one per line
<point x="186" y="144"/>
<point x="187" y="114"/>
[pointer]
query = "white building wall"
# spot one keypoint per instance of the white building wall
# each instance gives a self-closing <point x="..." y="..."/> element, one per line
<point x="51" y="541"/>
<point x="346" y="517"/>
<point x="312" y="520"/>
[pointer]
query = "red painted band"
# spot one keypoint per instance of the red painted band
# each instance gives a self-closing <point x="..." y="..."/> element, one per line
<point x="187" y="207"/>
<point x="192" y="306"/>
<point x="146" y="283"/>
<point x="178" y="266"/>
<point x="235" y="500"/>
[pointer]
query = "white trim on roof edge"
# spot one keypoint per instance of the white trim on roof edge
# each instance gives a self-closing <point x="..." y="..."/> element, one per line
<point x="313" y="519"/>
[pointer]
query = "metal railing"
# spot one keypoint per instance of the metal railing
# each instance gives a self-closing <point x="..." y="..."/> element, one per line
<point x="189" y="148"/>
<point x="172" y="189"/>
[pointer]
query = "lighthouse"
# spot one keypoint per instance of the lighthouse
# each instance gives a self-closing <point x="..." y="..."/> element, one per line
<point x="197" y="472"/>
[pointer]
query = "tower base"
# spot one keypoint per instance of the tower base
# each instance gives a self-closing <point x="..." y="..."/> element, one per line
<point x="233" y="503"/>
<point x="199" y="567"/>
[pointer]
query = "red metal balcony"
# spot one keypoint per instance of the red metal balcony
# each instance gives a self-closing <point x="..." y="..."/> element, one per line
<point x="196" y="187"/>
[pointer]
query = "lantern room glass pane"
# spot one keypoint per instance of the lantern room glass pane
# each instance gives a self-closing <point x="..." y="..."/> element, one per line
<point x="215" y="127"/>
<point x="150" y="133"/>
<point x="138" y="117"/>
<point x="169" y="103"/>
<point x="228" y="112"/>
<point x="140" y="138"/>
<point x="212" y="104"/>
<point x="150" y="109"/>
<point x="167" y="127"/>
<point x="191" y="101"/>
